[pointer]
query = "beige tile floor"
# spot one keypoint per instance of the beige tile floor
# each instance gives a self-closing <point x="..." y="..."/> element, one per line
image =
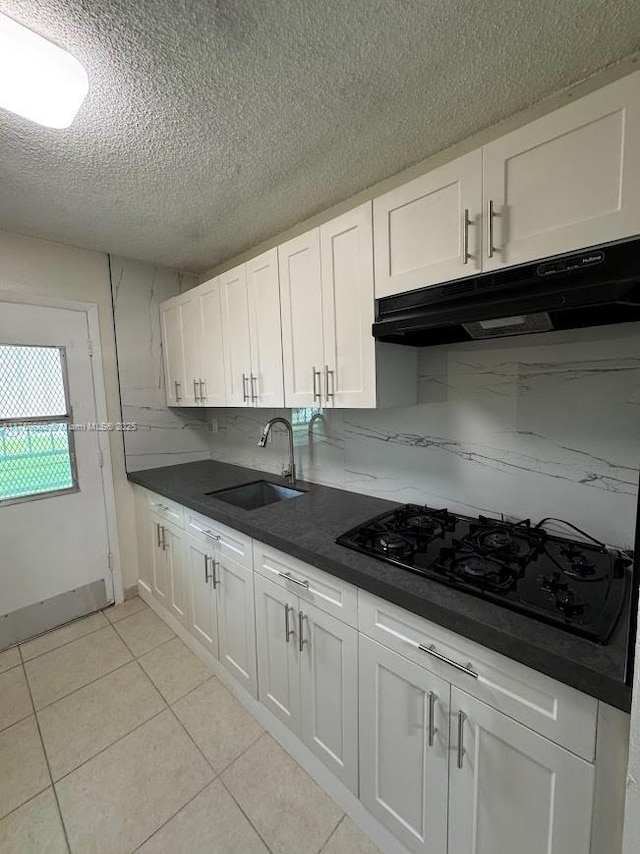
<point x="115" y="737"/>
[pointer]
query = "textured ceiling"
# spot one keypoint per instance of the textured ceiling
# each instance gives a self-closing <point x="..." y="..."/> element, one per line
<point x="214" y="124"/>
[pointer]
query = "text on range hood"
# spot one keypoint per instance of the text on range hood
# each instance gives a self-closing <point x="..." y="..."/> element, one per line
<point x="592" y="287"/>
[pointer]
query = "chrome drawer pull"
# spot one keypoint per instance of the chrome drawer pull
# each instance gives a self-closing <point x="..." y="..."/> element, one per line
<point x="431" y="650"/>
<point x="209" y="533"/>
<point x="432" y="711"/>
<point x="290" y="577"/>
<point x="461" y="751"/>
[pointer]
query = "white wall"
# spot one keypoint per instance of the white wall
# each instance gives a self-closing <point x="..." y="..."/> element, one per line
<point x="163" y="436"/>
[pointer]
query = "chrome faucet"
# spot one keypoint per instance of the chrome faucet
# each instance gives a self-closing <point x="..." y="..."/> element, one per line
<point x="290" y="471"/>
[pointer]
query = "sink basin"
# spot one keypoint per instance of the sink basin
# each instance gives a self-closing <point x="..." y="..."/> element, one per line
<point x="256" y="494"/>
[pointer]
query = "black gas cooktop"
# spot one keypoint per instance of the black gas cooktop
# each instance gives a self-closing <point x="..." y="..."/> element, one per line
<point x="578" y="586"/>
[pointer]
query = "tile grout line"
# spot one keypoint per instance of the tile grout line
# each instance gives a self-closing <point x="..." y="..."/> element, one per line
<point x="240" y="807"/>
<point x="333" y="832"/>
<point x="114" y="626"/>
<point x="46" y="759"/>
<point x="62" y="645"/>
<point x="171" y="817"/>
<point x="86" y="685"/>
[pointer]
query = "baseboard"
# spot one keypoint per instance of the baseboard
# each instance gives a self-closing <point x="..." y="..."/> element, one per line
<point x="369" y="825"/>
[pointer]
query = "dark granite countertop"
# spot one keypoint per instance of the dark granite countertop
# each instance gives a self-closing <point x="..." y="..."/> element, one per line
<point x="306" y="527"/>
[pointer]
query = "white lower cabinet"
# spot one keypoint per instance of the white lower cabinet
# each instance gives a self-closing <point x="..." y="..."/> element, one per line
<point x="404" y="747"/>
<point x="203" y="614"/>
<point x="510" y="789"/>
<point x="236" y="621"/>
<point x="307" y="676"/>
<point x="165" y="559"/>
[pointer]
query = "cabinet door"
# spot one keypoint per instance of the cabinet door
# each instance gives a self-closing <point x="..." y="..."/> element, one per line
<point x="212" y="345"/>
<point x="235" y="319"/>
<point x="173" y="355"/>
<point x="302" y="336"/>
<point x="146" y="545"/>
<point x="157" y="554"/>
<point x="568" y="180"/>
<point x="403" y="777"/>
<point x="189" y="307"/>
<point x="175" y="573"/>
<point x="263" y="291"/>
<point x="236" y="621"/>
<point x="278" y="655"/>
<point x="202" y="601"/>
<point x="346" y="247"/>
<point x="329" y="681"/>
<point x="428" y="231"/>
<point x="515" y="790"/>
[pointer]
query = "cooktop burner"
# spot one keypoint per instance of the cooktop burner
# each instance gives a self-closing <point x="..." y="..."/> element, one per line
<point x="578" y="586"/>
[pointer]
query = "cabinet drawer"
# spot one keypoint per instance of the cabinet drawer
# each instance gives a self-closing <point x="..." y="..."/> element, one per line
<point x="166" y="509"/>
<point x="552" y="709"/>
<point x="231" y="543"/>
<point x="310" y="584"/>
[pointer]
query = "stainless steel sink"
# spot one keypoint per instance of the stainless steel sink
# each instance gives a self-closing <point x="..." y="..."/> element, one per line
<point x="256" y="494"/>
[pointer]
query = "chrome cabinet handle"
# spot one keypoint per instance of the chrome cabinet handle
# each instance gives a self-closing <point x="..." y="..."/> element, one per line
<point x="465" y="237"/>
<point x="203" y="391"/>
<point x="302" y="641"/>
<point x="177" y="385"/>
<point x="254" y="388"/>
<point x="431" y="650"/>
<point x="290" y="577"/>
<point x="207" y="577"/>
<point x="158" y="540"/>
<point x="209" y="534"/>
<point x="164" y="538"/>
<point x="490" y="216"/>
<point x="287" y="631"/>
<point x="214" y="565"/>
<point x="245" y="393"/>
<point x="327" y="374"/>
<point x="317" y="392"/>
<point x="195" y="391"/>
<point x="432" y="712"/>
<point x="461" y="751"/>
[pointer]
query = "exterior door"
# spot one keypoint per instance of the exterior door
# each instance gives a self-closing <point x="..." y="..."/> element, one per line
<point x="302" y="335"/>
<point x="278" y="655"/>
<point x="566" y="181"/>
<point x="203" y="623"/>
<point x="53" y="518"/>
<point x="329" y="681"/>
<point x="212" y="348"/>
<point x="428" y="231"/>
<point x="235" y="319"/>
<point x="404" y="747"/>
<point x="510" y="789"/>
<point x="173" y="353"/>
<point x="263" y="289"/>
<point x="346" y="246"/>
<point x="236" y="621"/>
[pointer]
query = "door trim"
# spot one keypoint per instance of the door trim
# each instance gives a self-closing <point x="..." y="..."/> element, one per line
<point x="90" y="309"/>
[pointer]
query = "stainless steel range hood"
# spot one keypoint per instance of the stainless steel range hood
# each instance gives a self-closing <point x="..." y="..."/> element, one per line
<point x="592" y="287"/>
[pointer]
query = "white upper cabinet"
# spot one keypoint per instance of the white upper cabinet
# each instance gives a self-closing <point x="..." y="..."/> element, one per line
<point x="346" y="249"/>
<point x="191" y="329"/>
<point x="568" y="180"/>
<point x="428" y="231"/>
<point x="330" y="356"/>
<point x="263" y="290"/>
<point x="211" y="345"/>
<point x="235" y="318"/>
<point x="171" y="330"/>
<point x="302" y="334"/>
<point x="512" y="790"/>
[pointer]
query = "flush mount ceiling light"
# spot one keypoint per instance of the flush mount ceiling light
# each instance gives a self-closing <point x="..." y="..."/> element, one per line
<point x="39" y="80"/>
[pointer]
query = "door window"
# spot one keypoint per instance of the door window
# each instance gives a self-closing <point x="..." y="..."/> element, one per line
<point x="36" y="441"/>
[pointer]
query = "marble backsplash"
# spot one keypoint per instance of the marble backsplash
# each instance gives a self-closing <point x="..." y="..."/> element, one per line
<point x="163" y="436"/>
<point x="540" y="426"/>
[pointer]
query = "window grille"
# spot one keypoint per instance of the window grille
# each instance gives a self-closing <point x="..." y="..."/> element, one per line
<point x="36" y="444"/>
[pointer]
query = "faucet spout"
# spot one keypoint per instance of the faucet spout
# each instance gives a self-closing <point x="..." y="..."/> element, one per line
<point x="288" y="472"/>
